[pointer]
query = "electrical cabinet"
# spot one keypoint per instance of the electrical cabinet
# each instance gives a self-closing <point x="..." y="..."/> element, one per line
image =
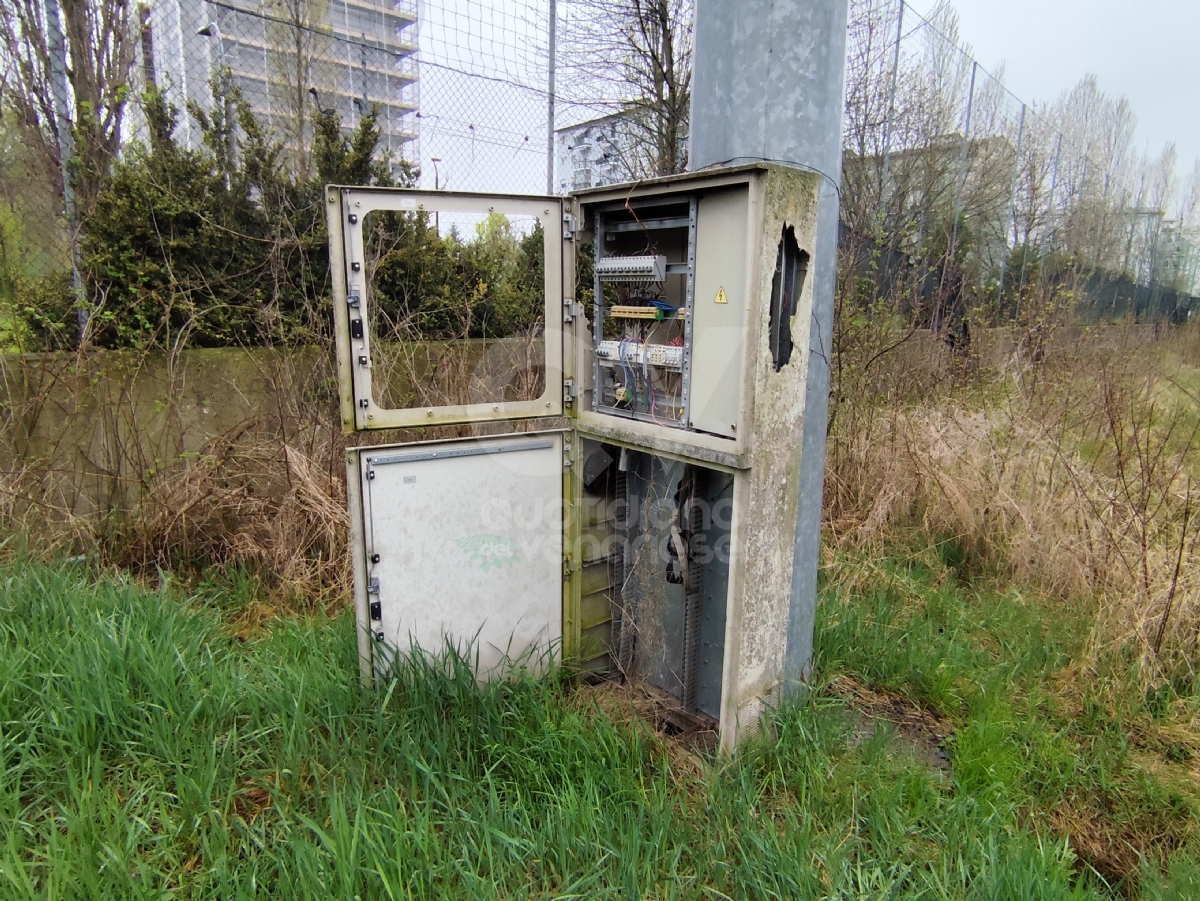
<point x="669" y="319"/>
<point x="613" y="481"/>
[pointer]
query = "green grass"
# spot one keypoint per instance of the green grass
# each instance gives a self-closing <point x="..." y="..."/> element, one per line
<point x="149" y="753"/>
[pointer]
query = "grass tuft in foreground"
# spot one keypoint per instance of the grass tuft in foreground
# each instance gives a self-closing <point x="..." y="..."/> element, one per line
<point x="147" y="752"/>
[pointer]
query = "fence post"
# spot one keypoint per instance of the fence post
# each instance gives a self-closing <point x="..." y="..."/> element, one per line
<point x="1049" y="213"/>
<point x="550" y="98"/>
<point x="887" y="124"/>
<point x="1009" y="224"/>
<point x="66" y="152"/>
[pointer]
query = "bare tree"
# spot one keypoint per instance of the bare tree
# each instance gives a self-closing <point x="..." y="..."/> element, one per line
<point x="937" y="153"/>
<point x="295" y="36"/>
<point x="101" y="42"/>
<point x="1189" y="200"/>
<point x="635" y="56"/>
<point x="914" y="164"/>
<point x="870" y="61"/>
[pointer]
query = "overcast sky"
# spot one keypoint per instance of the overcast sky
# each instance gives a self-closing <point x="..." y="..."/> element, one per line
<point x="1146" y="50"/>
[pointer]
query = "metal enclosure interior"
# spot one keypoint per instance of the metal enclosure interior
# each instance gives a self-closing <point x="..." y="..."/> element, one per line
<point x="618" y="489"/>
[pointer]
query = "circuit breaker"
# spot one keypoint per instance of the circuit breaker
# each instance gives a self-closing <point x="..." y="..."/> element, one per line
<point x="614" y="481"/>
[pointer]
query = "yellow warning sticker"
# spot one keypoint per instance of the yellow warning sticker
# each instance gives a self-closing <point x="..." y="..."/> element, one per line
<point x="721" y="298"/>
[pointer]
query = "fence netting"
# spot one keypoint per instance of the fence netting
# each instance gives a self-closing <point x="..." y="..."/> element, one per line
<point x="943" y="162"/>
<point x="948" y="178"/>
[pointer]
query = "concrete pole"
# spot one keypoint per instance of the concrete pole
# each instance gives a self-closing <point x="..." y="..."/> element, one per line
<point x="769" y="83"/>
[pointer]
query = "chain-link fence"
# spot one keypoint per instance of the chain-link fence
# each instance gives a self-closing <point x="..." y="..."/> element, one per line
<point x="35" y="238"/>
<point x="485" y="87"/>
<point x="942" y="162"/>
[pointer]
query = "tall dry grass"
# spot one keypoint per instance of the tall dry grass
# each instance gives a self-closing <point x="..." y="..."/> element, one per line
<point x="1069" y="463"/>
<point x="202" y="459"/>
<point x="1076" y="472"/>
<point x="179" y="463"/>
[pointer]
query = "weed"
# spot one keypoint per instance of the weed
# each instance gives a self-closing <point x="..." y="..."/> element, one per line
<point x="1075" y="478"/>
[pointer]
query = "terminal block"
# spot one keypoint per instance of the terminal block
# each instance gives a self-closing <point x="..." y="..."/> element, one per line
<point x="644" y="261"/>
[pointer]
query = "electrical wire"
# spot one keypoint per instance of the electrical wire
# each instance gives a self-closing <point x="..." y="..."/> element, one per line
<point x="630" y="389"/>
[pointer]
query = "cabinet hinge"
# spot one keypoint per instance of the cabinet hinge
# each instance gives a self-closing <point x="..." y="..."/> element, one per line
<point x="568" y="227"/>
<point x="568" y="391"/>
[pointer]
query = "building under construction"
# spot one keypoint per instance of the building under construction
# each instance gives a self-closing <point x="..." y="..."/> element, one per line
<point x="288" y="59"/>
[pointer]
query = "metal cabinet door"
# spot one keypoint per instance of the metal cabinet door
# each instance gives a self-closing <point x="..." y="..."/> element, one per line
<point x="461" y="543"/>
<point x="390" y="372"/>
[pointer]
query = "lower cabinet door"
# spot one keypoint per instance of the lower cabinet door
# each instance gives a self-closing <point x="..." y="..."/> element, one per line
<point x="463" y="546"/>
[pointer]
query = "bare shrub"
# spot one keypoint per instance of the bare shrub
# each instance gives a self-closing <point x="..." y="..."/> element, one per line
<point x="1076" y="474"/>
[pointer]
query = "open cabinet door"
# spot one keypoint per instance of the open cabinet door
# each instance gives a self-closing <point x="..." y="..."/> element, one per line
<point x="456" y="542"/>
<point x="427" y="338"/>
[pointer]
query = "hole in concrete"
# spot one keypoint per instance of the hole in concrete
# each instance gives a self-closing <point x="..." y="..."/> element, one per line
<point x="791" y="267"/>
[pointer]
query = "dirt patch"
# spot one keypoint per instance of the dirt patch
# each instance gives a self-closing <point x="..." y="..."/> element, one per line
<point x="1115" y="853"/>
<point x="690" y="739"/>
<point x="249" y="803"/>
<point x="922" y="731"/>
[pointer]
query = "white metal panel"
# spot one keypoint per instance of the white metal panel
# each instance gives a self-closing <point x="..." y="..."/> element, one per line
<point x="469" y="538"/>
<point x="719" y="312"/>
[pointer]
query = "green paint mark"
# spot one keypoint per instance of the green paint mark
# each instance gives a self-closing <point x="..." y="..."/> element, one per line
<point x="489" y="551"/>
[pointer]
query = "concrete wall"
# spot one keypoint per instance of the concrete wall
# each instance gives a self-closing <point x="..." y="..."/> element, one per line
<point x="88" y="435"/>
<point x="85" y="435"/>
